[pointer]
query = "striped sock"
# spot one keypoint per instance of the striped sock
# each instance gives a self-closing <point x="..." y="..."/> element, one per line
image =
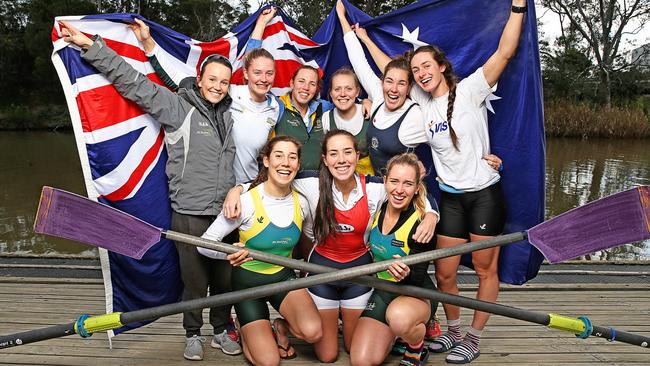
<point x="412" y="355"/>
<point x="449" y="340"/>
<point x="453" y="329"/>
<point x="473" y="338"/>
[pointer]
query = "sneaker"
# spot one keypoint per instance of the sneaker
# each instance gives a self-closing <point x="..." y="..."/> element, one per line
<point x="433" y="329"/>
<point x="223" y="342"/>
<point x="194" y="348"/>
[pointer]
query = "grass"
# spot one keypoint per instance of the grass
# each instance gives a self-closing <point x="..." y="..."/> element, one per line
<point x="563" y="119"/>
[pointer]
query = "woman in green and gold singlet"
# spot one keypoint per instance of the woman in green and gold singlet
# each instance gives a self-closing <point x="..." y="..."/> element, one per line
<point x="388" y="315"/>
<point x="271" y="221"/>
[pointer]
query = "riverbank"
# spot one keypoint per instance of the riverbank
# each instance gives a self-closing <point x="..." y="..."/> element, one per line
<point x="562" y="119"/>
<point x="44" y="117"/>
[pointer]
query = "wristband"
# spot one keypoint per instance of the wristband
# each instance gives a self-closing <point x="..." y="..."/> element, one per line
<point x="519" y="9"/>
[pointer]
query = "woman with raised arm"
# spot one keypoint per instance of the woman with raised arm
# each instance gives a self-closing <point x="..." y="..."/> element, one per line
<point x="199" y="167"/>
<point x="345" y="204"/>
<point x="272" y="218"/>
<point x="396" y="121"/>
<point x="255" y="111"/>
<point x="388" y="315"/>
<point x="348" y="114"/>
<point x="472" y="204"/>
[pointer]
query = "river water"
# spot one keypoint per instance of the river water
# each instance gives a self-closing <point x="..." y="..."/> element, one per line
<point x="577" y="171"/>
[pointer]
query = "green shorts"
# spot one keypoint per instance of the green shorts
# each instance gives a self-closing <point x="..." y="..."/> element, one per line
<point x="257" y="309"/>
<point x="379" y="301"/>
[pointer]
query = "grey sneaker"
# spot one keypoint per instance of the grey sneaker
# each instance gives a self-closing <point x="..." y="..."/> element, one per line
<point x="223" y="342"/>
<point x="194" y="348"/>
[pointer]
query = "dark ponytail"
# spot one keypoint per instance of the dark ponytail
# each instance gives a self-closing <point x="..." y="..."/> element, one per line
<point x="325" y="221"/>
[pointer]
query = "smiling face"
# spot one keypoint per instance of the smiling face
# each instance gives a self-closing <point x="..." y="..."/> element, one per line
<point x="304" y="86"/>
<point x="344" y="91"/>
<point x="282" y="163"/>
<point x="428" y="73"/>
<point x="214" y="83"/>
<point x="260" y="75"/>
<point x="396" y="88"/>
<point x="401" y="185"/>
<point x="341" y="157"/>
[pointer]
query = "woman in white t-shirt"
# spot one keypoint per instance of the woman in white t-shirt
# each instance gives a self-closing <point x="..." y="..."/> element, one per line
<point x="472" y="204"/>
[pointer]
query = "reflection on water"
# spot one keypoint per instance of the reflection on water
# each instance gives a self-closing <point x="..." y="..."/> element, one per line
<point x="29" y="161"/>
<point x="577" y="172"/>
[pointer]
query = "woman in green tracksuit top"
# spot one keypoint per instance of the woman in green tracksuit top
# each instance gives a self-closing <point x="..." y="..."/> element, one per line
<point x="271" y="221"/>
<point x="388" y="315"/>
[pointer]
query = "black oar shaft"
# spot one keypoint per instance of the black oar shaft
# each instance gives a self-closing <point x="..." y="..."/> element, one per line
<point x="37" y="335"/>
<point x="373" y="267"/>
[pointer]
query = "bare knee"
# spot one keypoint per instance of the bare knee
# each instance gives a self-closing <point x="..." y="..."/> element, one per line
<point x="445" y="279"/>
<point x="328" y="356"/>
<point x="484" y="272"/>
<point x="269" y="359"/>
<point x="399" y="322"/>
<point x="364" y="359"/>
<point x="311" y="332"/>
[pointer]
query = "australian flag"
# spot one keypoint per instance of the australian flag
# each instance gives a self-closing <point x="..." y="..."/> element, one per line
<point x="123" y="156"/>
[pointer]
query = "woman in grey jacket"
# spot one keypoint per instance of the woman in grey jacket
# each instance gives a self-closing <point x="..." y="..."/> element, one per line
<point x="199" y="167"/>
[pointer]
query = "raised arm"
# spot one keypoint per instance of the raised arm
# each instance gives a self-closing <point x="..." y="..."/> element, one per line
<point x="255" y="40"/>
<point x="162" y="104"/>
<point x="508" y="43"/>
<point x="380" y="58"/>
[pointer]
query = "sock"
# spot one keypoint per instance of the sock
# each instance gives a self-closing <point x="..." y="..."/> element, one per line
<point x="473" y="338"/>
<point x="412" y="354"/>
<point x="453" y="329"/>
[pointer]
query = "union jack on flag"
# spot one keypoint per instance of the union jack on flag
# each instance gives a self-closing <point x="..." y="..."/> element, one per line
<point x="123" y="155"/>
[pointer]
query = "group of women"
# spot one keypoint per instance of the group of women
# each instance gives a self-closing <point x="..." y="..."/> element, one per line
<point x="351" y="215"/>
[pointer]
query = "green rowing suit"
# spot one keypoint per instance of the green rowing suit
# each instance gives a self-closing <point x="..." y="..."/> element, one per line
<point x="267" y="237"/>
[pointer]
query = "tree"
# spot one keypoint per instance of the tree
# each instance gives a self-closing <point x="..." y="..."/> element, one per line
<point x="602" y="25"/>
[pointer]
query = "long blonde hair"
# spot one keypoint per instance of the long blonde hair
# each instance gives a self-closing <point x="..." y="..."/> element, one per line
<point x="411" y="160"/>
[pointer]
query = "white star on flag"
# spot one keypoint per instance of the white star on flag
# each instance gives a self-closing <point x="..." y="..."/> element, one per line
<point x="488" y="102"/>
<point x="411" y="37"/>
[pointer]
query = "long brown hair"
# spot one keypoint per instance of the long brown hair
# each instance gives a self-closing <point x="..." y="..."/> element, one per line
<point x="254" y="54"/>
<point x="263" y="174"/>
<point x="325" y="221"/>
<point x="450" y="77"/>
<point x="411" y="160"/>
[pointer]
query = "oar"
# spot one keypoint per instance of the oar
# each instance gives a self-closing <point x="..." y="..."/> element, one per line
<point x="86" y="325"/>
<point x="55" y="201"/>
<point x="605" y="223"/>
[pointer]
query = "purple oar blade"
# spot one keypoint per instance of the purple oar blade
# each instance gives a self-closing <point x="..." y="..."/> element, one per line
<point x="605" y="223"/>
<point x="70" y="216"/>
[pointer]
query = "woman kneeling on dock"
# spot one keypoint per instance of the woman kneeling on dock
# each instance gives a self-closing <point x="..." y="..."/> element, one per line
<point x="387" y="315"/>
<point x="271" y="220"/>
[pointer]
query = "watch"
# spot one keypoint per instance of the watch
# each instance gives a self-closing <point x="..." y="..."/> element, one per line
<point x="519" y="9"/>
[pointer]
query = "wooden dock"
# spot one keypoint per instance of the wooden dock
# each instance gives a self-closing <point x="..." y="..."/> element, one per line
<point x="33" y="302"/>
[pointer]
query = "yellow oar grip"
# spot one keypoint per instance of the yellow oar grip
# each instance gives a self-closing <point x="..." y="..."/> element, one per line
<point x="99" y="323"/>
<point x="568" y="324"/>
